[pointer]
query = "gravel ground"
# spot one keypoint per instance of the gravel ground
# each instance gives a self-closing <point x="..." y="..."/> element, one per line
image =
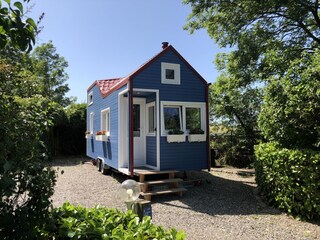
<point x="224" y="206"/>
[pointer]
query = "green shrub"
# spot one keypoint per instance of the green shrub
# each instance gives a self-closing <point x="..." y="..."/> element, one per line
<point x="289" y="178"/>
<point x="76" y="222"/>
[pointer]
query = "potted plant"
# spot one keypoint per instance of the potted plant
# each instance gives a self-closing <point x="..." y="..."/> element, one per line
<point x="102" y="135"/>
<point x="88" y="134"/>
<point x="176" y="135"/>
<point x="196" y="135"/>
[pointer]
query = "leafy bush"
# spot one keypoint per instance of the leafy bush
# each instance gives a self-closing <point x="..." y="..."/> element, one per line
<point x="232" y="149"/>
<point x="289" y="178"/>
<point x="26" y="183"/>
<point x="76" y="222"/>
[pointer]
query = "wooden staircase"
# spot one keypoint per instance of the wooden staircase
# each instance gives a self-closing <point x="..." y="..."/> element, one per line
<point x="162" y="186"/>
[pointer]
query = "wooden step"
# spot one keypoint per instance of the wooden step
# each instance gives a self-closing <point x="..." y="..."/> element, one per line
<point x="173" y="183"/>
<point x="150" y="172"/>
<point x="147" y="195"/>
<point x="142" y="173"/>
<point x="163" y="181"/>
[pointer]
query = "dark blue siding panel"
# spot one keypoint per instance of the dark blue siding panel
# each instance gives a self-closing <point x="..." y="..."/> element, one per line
<point x="183" y="156"/>
<point x="151" y="151"/>
<point x="191" y="88"/>
<point x="106" y="150"/>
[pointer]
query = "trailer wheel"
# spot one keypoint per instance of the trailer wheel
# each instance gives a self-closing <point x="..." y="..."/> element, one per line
<point x="99" y="164"/>
<point x="103" y="170"/>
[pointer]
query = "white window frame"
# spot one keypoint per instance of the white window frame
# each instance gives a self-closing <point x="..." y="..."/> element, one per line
<point x="183" y="106"/>
<point x="173" y="66"/>
<point x="105" y="123"/>
<point x="149" y="105"/>
<point x="90" y="99"/>
<point x="91" y="122"/>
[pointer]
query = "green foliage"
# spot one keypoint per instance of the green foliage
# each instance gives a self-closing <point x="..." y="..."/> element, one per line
<point x="265" y="35"/>
<point x="76" y="222"/>
<point x="232" y="148"/>
<point x="70" y="124"/>
<point x="26" y="184"/>
<point x="236" y="109"/>
<point x="289" y="178"/>
<point x="15" y="29"/>
<point x="291" y="106"/>
<point x="175" y="132"/>
<point x="50" y="67"/>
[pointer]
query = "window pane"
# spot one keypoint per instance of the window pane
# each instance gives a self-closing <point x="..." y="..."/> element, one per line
<point x="151" y="119"/>
<point x="193" y="118"/>
<point x="169" y="74"/>
<point x="136" y="120"/>
<point x="171" y="118"/>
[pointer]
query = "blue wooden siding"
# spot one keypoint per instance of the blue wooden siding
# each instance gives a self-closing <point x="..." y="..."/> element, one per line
<point x="179" y="156"/>
<point x="191" y="88"/>
<point x="106" y="150"/>
<point x="151" y="150"/>
<point x="182" y="156"/>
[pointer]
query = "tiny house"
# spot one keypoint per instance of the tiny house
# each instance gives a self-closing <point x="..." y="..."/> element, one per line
<point x="155" y="118"/>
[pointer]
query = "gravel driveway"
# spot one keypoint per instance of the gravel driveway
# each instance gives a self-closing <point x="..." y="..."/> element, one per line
<point x="224" y="206"/>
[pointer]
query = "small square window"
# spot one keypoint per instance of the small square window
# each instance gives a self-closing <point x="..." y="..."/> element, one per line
<point x="169" y="73"/>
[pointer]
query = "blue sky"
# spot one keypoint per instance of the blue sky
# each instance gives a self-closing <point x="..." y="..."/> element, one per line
<point x="111" y="38"/>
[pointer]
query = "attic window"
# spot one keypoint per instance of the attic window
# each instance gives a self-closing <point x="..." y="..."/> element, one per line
<point x="170" y="73"/>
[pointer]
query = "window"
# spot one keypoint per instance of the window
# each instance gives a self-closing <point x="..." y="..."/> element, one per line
<point x="172" y="117"/>
<point x="90" y="98"/>
<point x="105" y="120"/>
<point x="193" y="118"/>
<point x="170" y="73"/>
<point x="183" y="116"/>
<point x="151" y="117"/>
<point x="136" y="120"/>
<point x="91" y="123"/>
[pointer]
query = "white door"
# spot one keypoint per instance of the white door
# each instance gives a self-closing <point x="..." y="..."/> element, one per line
<point x="139" y="134"/>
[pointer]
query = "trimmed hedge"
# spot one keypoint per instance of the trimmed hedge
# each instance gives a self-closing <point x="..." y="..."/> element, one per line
<point x="289" y="178"/>
<point x="76" y="222"/>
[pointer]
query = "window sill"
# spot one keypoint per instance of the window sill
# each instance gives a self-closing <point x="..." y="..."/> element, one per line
<point x="176" y="138"/>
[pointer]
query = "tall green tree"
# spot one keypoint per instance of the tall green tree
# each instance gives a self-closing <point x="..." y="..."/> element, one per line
<point x="50" y="68"/>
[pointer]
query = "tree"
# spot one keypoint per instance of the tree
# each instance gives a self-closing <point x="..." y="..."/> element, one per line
<point x="266" y="35"/>
<point x="291" y="109"/>
<point x="50" y="67"/>
<point x="26" y="183"/>
<point x="14" y="29"/>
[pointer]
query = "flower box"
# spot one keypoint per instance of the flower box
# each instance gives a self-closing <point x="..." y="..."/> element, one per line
<point x="197" y="138"/>
<point x="176" y="138"/>
<point x="102" y="138"/>
<point x="89" y="135"/>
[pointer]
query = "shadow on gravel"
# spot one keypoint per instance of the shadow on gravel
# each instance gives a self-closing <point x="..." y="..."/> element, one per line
<point x="219" y="196"/>
<point x="69" y="161"/>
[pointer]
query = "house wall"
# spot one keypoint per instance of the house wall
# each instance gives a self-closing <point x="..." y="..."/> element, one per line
<point x="179" y="156"/>
<point x="106" y="150"/>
